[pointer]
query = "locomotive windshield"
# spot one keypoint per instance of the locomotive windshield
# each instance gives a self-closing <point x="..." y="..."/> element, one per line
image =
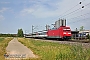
<point x="66" y="29"/>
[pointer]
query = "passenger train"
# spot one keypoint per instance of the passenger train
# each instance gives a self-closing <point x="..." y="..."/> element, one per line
<point x="62" y="32"/>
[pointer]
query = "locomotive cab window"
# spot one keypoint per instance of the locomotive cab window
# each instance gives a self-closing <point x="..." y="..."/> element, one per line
<point x="66" y="29"/>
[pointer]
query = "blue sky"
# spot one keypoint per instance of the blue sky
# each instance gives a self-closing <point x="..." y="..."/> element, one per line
<point x="15" y="14"/>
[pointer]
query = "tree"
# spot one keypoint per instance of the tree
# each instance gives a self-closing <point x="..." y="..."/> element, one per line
<point x="81" y="28"/>
<point x="20" y="33"/>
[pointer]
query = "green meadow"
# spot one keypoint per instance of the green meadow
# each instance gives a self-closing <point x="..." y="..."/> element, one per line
<point x="55" y="51"/>
<point x="3" y="44"/>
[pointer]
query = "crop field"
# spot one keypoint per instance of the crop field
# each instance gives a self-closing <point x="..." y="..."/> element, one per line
<point x="3" y="44"/>
<point x="55" y="51"/>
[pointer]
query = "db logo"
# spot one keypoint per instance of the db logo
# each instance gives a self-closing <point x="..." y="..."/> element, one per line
<point x="6" y="55"/>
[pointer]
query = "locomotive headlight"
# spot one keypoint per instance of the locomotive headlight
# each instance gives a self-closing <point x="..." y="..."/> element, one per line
<point x="64" y="33"/>
<point x="69" y="33"/>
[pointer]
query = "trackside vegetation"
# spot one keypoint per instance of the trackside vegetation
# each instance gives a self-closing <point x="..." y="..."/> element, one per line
<point x="55" y="51"/>
<point x="3" y="44"/>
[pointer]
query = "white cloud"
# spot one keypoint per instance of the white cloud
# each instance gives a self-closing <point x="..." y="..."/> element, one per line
<point x="27" y="11"/>
<point x="56" y="9"/>
<point x="2" y="17"/>
<point x="39" y="11"/>
<point x="43" y="9"/>
<point x="3" y="10"/>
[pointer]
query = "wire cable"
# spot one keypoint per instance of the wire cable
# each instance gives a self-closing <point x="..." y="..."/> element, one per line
<point x="79" y="20"/>
<point x="70" y="10"/>
<point x="79" y="16"/>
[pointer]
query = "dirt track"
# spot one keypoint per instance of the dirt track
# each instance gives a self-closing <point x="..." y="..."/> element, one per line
<point x="17" y="50"/>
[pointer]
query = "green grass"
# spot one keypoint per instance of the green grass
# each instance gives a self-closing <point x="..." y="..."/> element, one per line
<point x="55" y="51"/>
<point x="3" y="44"/>
<point x="1" y="39"/>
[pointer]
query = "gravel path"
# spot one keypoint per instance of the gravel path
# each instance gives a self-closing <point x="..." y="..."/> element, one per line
<point x="17" y="50"/>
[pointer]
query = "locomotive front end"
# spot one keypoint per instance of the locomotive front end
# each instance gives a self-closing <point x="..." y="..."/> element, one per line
<point x="66" y="33"/>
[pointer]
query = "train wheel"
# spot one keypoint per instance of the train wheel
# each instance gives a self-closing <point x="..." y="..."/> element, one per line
<point x="65" y="38"/>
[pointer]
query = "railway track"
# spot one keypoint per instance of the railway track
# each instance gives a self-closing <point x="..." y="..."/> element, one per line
<point x="84" y="43"/>
<point x="81" y="41"/>
<point x="76" y="40"/>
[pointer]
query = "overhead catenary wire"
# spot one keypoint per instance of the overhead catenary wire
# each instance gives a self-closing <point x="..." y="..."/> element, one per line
<point x="71" y="9"/>
<point x="79" y="20"/>
<point x="60" y="16"/>
<point x="87" y="4"/>
<point x="71" y="12"/>
<point x="74" y="6"/>
<point x="81" y="15"/>
<point x="83" y="7"/>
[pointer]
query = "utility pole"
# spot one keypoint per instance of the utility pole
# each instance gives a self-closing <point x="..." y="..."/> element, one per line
<point x="25" y="33"/>
<point x="47" y="27"/>
<point x="32" y="30"/>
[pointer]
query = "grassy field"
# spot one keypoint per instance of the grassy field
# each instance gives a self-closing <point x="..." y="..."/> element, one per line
<point x="55" y="51"/>
<point x="3" y="44"/>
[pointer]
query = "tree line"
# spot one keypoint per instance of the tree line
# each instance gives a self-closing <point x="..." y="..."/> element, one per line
<point x="7" y="35"/>
<point x="19" y="34"/>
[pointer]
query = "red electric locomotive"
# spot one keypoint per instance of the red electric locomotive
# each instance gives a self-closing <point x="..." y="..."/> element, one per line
<point x="62" y="32"/>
